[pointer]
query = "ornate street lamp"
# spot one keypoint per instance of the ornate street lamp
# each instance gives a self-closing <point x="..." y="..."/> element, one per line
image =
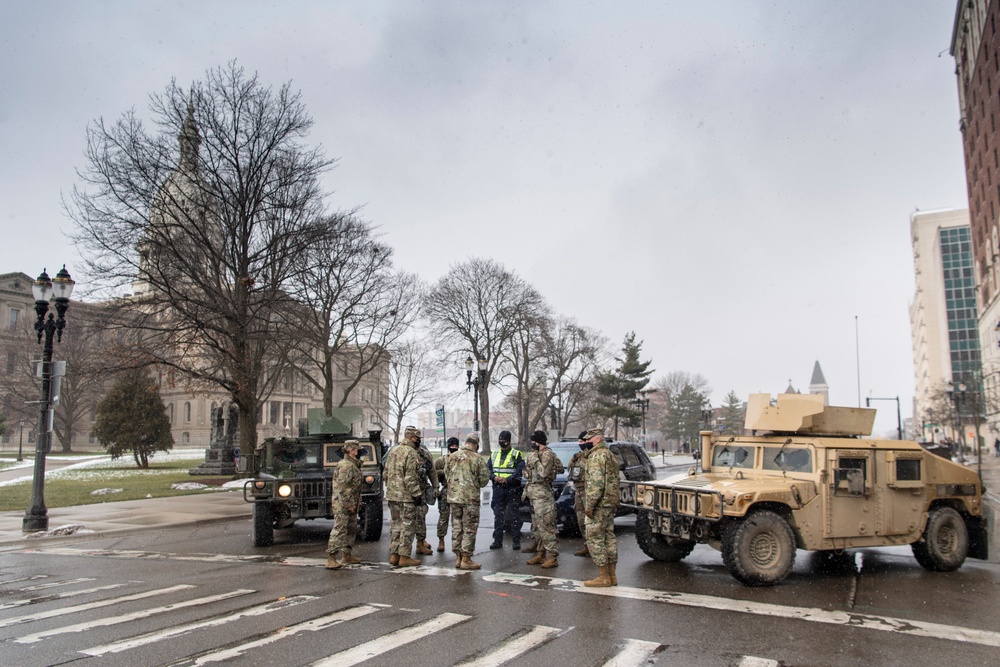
<point x="474" y="384"/>
<point x="642" y="403"/>
<point x="58" y="290"/>
<point x="957" y="395"/>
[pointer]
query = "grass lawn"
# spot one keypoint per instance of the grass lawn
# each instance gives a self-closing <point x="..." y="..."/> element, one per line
<point x="65" y="488"/>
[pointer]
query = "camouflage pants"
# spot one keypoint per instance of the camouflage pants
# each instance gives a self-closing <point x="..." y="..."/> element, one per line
<point x="578" y="507"/>
<point x="601" y="536"/>
<point x="444" y="511"/>
<point x="421" y="531"/>
<point x="464" y="524"/>
<point x="345" y="527"/>
<point x="543" y="517"/>
<point x="402" y="527"/>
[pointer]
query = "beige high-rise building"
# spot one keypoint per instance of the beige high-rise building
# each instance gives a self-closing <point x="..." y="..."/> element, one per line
<point x="943" y="314"/>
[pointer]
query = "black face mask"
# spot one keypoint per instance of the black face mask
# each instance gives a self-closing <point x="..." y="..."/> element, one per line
<point x="504" y="444"/>
<point x="535" y="446"/>
<point x="584" y="446"/>
<point x="452" y="450"/>
<point x="418" y="441"/>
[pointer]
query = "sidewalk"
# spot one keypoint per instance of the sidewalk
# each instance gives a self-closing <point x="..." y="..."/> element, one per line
<point x="111" y="518"/>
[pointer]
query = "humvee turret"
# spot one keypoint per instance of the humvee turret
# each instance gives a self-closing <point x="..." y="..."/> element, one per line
<point x="810" y="480"/>
<point x="293" y="476"/>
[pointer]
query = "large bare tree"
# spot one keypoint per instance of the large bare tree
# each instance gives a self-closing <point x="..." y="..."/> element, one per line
<point x="205" y="218"/>
<point x="413" y="378"/>
<point x="478" y="307"/>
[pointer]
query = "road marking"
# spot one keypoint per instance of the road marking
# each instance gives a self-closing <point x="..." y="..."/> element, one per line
<point x="91" y="605"/>
<point x="902" y="626"/>
<point x="61" y="596"/>
<point x="634" y="652"/>
<point x="513" y="646"/>
<point x="393" y="640"/>
<point x="124" y="618"/>
<point x="750" y="661"/>
<point x="56" y="584"/>
<point x="431" y="571"/>
<point x="313" y="625"/>
<point x="153" y="637"/>
<point x="20" y="579"/>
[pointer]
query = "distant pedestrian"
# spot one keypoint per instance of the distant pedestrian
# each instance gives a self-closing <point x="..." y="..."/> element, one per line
<point x="996" y="447"/>
<point x="466" y="473"/>
<point x="344" y="503"/>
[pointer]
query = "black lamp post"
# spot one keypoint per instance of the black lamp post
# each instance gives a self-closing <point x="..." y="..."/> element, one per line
<point x="957" y="395"/>
<point x="642" y="403"/>
<point x="474" y="383"/>
<point x="59" y="290"/>
<point x="20" y="442"/>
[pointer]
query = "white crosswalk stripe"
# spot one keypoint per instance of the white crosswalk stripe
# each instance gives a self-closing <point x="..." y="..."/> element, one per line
<point x="63" y="611"/>
<point x="56" y="584"/>
<point x="634" y="652"/>
<point x="60" y="596"/>
<point x="391" y="641"/>
<point x="514" y="646"/>
<point x="124" y="618"/>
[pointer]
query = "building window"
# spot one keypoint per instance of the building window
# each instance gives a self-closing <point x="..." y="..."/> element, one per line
<point x="187" y="412"/>
<point x="11" y="362"/>
<point x="185" y="437"/>
<point x="170" y="413"/>
<point x="13" y="318"/>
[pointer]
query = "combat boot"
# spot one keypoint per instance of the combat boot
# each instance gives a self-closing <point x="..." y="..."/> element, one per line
<point x="531" y="548"/>
<point x="423" y="548"/>
<point x="347" y="559"/>
<point x="585" y="551"/>
<point x="602" y="580"/>
<point x="332" y="563"/>
<point x="613" y="573"/>
<point x="552" y="561"/>
<point x="394" y="559"/>
<point x="469" y="564"/>
<point x="460" y="558"/>
<point x="406" y="561"/>
<point x="538" y="558"/>
<point x="440" y="544"/>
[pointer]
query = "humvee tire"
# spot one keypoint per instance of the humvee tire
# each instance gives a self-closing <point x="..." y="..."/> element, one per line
<point x="263" y="525"/>
<point x="658" y="547"/>
<point x="370" y="521"/>
<point x="945" y="542"/>
<point x="759" y="550"/>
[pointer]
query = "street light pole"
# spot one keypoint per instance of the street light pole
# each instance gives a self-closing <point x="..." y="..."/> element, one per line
<point x="642" y="403"/>
<point x="36" y="517"/>
<point x="957" y="394"/>
<point x="20" y="442"/>
<point x="474" y="383"/>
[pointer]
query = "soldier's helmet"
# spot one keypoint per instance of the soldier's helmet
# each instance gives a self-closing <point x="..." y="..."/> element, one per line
<point x="473" y="438"/>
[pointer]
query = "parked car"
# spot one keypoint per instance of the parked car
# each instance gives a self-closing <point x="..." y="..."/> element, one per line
<point x="635" y="467"/>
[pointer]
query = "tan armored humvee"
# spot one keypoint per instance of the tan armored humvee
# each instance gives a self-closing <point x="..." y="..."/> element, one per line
<point x="811" y="481"/>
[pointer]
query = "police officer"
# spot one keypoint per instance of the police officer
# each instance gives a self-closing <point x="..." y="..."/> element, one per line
<point x="444" y="510"/>
<point x="506" y="468"/>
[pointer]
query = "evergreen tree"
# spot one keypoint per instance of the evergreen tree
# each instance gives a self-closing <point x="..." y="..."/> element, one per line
<point x="132" y="418"/>
<point x="616" y="389"/>
<point x="733" y="416"/>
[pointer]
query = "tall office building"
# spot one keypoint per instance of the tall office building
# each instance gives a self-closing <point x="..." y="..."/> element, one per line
<point x="975" y="46"/>
<point x="943" y="315"/>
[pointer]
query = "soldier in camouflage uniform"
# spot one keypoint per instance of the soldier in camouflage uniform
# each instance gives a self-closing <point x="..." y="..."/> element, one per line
<point x="428" y="486"/>
<point x="467" y="474"/>
<point x="578" y="475"/>
<point x="444" y="513"/>
<point x="544" y="468"/>
<point x="529" y="460"/>
<point x="603" y="494"/>
<point x="403" y="492"/>
<point x="344" y="503"/>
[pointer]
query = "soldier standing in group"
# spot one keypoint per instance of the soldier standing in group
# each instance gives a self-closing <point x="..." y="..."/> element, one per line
<point x="467" y="474"/>
<point x="344" y="503"/>
<point x="578" y="475"/>
<point x="506" y="466"/>
<point x="529" y="460"/>
<point x="403" y="492"/>
<point x="603" y="495"/>
<point x="428" y="487"/>
<point x="444" y="514"/>
<point x="541" y="474"/>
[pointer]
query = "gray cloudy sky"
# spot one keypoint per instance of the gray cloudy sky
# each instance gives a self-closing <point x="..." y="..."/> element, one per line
<point x="732" y="181"/>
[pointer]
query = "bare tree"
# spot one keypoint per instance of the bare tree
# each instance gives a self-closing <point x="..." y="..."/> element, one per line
<point x="530" y="395"/>
<point x="413" y="377"/>
<point x="357" y="308"/>
<point x="205" y="219"/>
<point x="479" y="306"/>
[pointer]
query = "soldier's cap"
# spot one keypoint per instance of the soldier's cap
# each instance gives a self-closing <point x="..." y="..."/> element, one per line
<point x="410" y="431"/>
<point x="540" y="437"/>
<point x="594" y="432"/>
<point x="473" y="438"/>
<point x="351" y="444"/>
<point x="452" y="441"/>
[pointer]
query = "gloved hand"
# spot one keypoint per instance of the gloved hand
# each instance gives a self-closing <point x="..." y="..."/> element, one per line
<point x="418" y="501"/>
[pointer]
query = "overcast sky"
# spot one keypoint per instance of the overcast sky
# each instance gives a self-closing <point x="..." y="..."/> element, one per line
<point x="733" y="181"/>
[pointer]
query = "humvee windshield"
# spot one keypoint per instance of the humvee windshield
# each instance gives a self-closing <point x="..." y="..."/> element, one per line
<point x="733" y="456"/>
<point x="792" y="460"/>
<point x="335" y="454"/>
<point x="294" y="456"/>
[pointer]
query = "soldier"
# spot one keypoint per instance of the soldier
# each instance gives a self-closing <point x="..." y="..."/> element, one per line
<point x="467" y="474"/>
<point x="444" y="513"/>
<point x="403" y="492"/>
<point x="541" y="474"/>
<point x="529" y="460"/>
<point x="428" y="487"/>
<point x="344" y="503"/>
<point x="506" y="466"/>
<point x="578" y="475"/>
<point x="603" y="494"/>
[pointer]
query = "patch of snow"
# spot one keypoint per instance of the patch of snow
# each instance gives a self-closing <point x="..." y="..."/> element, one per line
<point x="104" y="492"/>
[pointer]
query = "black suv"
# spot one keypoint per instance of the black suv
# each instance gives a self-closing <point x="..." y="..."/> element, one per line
<point x="635" y="467"/>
